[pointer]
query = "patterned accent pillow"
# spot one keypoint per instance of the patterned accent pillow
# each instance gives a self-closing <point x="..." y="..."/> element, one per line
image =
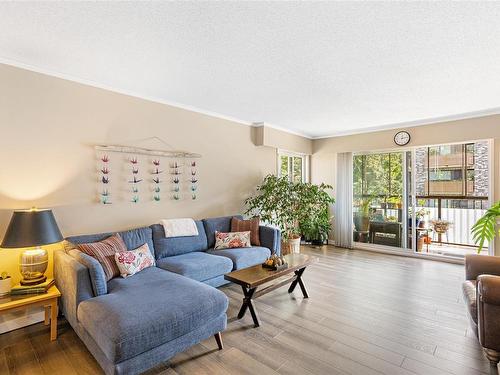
<point x="133" y="261"/>
<point x="252" y="225"/>
<point x="104" y="251"/>
<point x="232" y="240"/>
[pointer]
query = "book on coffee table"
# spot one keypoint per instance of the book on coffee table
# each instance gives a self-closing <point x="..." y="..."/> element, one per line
<point x="32" y="289"/>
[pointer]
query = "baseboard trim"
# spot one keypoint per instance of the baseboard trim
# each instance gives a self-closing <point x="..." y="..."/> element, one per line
<point x="403" y="253"/>
<point x="409" y="254"/>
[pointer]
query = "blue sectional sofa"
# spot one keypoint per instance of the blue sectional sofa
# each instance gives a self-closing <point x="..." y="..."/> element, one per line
<point x="133" y="324"/>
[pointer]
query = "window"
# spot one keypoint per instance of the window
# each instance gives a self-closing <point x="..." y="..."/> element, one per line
<point x="458" y="169"/>
<point x="292" y="165"/>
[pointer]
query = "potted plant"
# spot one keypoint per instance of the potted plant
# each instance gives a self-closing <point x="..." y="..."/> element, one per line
<point x="315" y="221"/>
<point x="486" y="228"/>
<point x="362" y="217"/>
<point x="5" y="284"/>
<point x="440" y="226"/>
<point x="277" y="203"/>
<point x="419" y="217"/>
<point x="394" y="202"/>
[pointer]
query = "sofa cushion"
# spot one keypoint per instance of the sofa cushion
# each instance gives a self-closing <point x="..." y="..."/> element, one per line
<point x="146" y="310"/>
<point x="197" y="265"/>
<point x="166" y="247"/>
<point x="469" y="291"/>
<point x="217" y="224"/>
<point x="133" y="238"/>
<point x="244" y="257"/>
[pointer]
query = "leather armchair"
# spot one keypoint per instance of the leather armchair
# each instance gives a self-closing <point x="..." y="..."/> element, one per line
<point x="482" y="296"/>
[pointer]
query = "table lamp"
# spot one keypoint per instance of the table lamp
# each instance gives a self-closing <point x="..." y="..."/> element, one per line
<point x="31" y="229"/>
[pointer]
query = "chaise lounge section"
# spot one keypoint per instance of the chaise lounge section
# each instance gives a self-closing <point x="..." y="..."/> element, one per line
<point x="132" y="324"/>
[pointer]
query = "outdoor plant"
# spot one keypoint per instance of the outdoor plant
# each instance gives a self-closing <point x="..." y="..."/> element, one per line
<point x="363" y="216"/>
<point x="486" y="228"/>
<point x="421" y="213"/>
<point x="395" y="201"/>
<point x="440" y="226"/>
<point x="364" y="205"/>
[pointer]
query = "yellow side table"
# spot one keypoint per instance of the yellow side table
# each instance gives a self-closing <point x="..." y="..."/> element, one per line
<point x="47" y="300"/>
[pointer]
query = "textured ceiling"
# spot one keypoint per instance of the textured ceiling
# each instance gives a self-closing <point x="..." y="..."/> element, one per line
<point x="315" y="68"/>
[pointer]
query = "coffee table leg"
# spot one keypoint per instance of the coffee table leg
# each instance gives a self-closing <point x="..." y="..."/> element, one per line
<point x="298" y="280"/>
<point x="247" y="303"/>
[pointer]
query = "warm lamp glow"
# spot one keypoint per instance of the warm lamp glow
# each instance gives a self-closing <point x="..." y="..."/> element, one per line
<point x="36" y="176"/>
<point x="33" y="252"/>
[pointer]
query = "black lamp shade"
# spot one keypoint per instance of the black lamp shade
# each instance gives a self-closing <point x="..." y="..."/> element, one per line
<point x="31" y="228"/>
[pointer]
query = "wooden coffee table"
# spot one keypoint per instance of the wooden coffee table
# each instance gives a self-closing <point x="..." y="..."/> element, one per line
<point x="252" y="277"/>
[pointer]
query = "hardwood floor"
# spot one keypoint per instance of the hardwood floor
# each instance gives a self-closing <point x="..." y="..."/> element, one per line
<point x="368" y="313"/>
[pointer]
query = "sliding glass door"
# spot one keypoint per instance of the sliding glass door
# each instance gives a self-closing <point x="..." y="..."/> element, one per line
<point x="452" y="193"/>
<point x="378" y="191"/>
<point x="423" y="199"/>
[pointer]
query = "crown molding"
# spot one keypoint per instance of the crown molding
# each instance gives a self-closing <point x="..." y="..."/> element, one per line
<point x="371" y="129"/>
<point x="280" y="128"/>
<point x="37" y="69"/>
<point x="421" y="122"/>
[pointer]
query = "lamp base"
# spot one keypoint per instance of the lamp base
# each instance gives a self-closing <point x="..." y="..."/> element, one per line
<point x="36" y="281"/>
<point x="33" y="264"/>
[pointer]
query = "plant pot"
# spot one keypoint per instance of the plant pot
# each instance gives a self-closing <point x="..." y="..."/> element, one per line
<point x="317" y="242"/>
<point x="294" y="245"/>
<point x="420" y="244"/>
<point x="5" y="286"/>
<point x="410" y="222"/>
<point x="362" y="223"/>
<point x="290" y="246"/>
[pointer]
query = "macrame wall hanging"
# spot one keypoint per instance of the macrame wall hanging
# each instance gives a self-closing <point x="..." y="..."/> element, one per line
<point x="138" y="174"/>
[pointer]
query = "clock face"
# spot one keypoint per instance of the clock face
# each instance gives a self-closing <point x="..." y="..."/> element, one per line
<point x="402" y="138"/>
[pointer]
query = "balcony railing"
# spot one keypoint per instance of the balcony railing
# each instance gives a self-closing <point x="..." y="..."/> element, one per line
<point x="460" y="212"/>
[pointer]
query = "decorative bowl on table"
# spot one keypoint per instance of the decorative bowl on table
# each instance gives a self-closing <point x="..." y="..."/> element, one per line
<point x="275" y="263"/>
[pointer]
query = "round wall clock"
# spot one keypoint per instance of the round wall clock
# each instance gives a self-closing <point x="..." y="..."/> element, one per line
<point x="402" y="138"/>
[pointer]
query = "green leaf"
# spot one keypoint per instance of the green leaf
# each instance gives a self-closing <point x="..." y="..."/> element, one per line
<point x="485" y="229"/>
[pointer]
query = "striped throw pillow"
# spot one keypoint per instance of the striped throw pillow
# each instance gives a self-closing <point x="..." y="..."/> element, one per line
<point x="251" y="225"/>
<point x="104" y="251"/>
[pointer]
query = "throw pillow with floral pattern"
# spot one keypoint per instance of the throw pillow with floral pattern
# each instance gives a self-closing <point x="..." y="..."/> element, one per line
<point x="133" y="261"/>
<point x="232" y="240"/>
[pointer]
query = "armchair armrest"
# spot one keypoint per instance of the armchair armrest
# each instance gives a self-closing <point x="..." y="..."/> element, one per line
<point x="73" y="281"/>
<point x="271" y="238"/>
<point x="488" y="311"/>
<point x="488" y="289"/>
<point x="476" y="265"/>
